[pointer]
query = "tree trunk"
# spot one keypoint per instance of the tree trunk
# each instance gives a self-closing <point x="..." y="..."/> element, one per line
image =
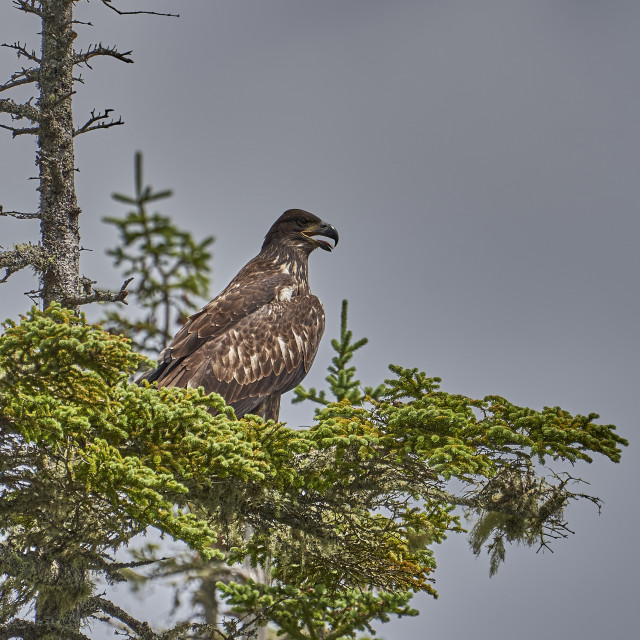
<point x="59" y="210"/>
<point x="58" y="204"/>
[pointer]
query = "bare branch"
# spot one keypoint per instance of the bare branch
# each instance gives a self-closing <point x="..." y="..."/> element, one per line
<point x="95" y="50"/>
<point x="22" y="51"/>
<point x="107" y="3"/>
<point x="21" y="256"/>
<point x="26" y="76"/>
<point x="19" y="214"/>
<point x="91" y="295"/>
<point x="97" y="121"/>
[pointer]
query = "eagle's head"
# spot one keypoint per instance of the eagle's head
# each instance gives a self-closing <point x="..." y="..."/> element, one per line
<point x="299" y="230"/>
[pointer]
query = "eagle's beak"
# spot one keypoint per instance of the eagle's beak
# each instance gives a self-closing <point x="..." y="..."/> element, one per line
<point x="323" y="229"/>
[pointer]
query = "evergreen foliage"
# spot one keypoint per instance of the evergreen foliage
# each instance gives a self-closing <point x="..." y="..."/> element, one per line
<point x="354" y="504"/>
<point x="314" y="611"/>
<point x="168" y="264"/>
<point x="342" y="382"/>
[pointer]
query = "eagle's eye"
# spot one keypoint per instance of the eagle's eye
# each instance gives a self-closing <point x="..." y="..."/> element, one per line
<point x="302" y="222"/>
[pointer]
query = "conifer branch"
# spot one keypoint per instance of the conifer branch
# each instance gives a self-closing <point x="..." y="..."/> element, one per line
<point x="171" y="267"/>
<point x="97" y="121"/>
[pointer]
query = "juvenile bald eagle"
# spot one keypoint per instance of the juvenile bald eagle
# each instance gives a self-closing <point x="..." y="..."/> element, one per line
<point x="258" y="338"/>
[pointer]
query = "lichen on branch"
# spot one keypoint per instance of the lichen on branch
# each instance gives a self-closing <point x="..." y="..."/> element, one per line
<point x="21" y="256"/>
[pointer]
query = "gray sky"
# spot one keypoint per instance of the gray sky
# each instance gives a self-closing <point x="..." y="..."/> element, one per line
<point x="481" y="161"/>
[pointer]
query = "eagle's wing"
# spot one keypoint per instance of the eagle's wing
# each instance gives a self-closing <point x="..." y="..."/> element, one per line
<point x="245" y="344"/>
<point x="239" y="300"/>
<point x="269" y="351"/>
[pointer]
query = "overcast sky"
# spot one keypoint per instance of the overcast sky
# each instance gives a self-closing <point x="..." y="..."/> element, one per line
<point x="481" y="161"/>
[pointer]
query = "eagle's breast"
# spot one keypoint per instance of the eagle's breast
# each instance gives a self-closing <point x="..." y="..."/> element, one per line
<point x="285" y="293"/>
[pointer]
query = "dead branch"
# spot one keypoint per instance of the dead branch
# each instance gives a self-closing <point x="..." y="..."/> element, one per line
<point x="34" y="295"/>
<point x="19" y="214"/>
<point x="22" y="51"/>
<point x="28" y="6"/>
<point x="95" y="50"/>
<point x="142" y="629"/>
<point x="21" y="256"/>
<point x="20" y="131"/>
<point x="97" y="121"/>
<point x="111" y="567"/>
<point x="107" y="3"/>
<point x="26" y="76"/>
<point x="91" y="295"/>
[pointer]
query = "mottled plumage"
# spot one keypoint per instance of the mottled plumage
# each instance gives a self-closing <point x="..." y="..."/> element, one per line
<point x="259" y="337"/>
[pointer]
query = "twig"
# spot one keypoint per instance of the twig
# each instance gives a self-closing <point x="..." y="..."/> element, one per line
<point x="96" y="121"/>
<point x="33" y="295"/>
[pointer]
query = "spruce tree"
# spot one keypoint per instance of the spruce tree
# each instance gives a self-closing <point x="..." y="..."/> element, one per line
<point x="354" y="504"/>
